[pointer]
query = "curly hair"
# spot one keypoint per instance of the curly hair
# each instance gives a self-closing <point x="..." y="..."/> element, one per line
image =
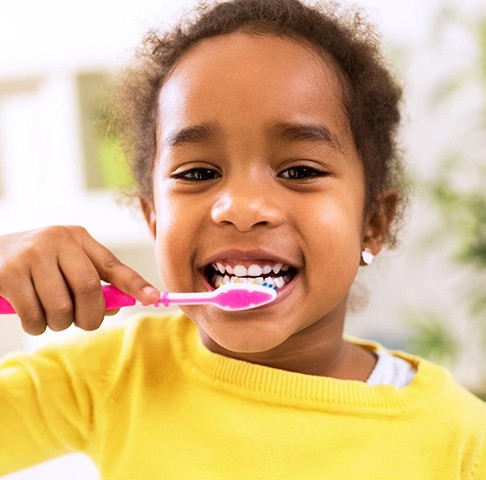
<point x="370" y="94"/>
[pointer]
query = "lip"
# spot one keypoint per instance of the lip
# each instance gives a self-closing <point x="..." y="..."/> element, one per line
<point x="247" y="255"/>
<point x="284" y="292"/>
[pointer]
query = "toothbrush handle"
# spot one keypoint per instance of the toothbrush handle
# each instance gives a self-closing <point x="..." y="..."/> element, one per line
<point x="5" y="306"/>
<point x="168" y="299"/>
<point x="114" y="298"/>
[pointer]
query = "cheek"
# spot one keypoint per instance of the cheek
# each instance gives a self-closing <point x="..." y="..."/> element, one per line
<point x="180" y="220"/>
<point x="335" y="220"/>
<point x="172" y="240"/>
<point x="334" y="227"/>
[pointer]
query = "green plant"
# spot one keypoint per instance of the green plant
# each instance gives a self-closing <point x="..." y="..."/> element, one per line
<point x="457" y="193"/>
<point x="458" y="188"/>
<point x="113" y="165"/>
<point x="431" y="336"/>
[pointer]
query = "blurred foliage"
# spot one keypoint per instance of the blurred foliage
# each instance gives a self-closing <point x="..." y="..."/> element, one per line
<point x="457" y="192"/>
<point x="431" y="336"/>
<point x="462" y="211"/>
<point x="458" y="189"/>
<point x="104" y="161"/>
<point x="113" y="165"/>
<point x="112" y="162"/>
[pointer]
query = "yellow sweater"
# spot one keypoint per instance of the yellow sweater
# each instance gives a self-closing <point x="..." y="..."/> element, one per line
<point x="148" y="401"/>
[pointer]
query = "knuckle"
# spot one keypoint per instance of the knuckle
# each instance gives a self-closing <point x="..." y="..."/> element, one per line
<point x="91" y="326"/>
<point x="89" y="288"/>
<point x="56" y="326"/>
<point x="52" y="232"/>
<point x="60" y="232"/>
<point x="33" y="322"/>
<point x="34" y="253"/>
<point x="10" y="272"/>
<point x="59" y="314"/>
<point x="93" y="323"/>
<point x="60" y="308"/>
<point x="110" y="261"/>
<point x="37" y="243"/>
<point x="78" y="230"/>
<point x="14" y="266"/>
<point x="135" y="278"/>
<point x="41" y="328"/>
<point x="32" y="318"/>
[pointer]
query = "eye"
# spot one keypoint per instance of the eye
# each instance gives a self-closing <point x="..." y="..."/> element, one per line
<point x="301" y="173"/>
<point x="197" y="174"/>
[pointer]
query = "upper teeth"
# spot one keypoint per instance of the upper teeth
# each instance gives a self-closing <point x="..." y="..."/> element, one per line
<point x="253" y="270"/>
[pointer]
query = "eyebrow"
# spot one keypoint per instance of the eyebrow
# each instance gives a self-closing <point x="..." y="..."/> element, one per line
<point x="193" y="134"/>
<point x="307" y="132"/>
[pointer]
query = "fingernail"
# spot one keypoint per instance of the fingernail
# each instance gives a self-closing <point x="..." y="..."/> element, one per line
<point x="148" y="290"/>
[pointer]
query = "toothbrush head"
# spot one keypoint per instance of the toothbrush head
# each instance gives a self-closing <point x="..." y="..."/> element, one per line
<point x="243" y="296"/>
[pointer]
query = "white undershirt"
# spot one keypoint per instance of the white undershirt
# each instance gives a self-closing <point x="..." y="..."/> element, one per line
<point x="390" y="370"/>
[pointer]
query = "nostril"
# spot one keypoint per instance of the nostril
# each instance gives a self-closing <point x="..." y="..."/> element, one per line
<point x="246" y="211"/>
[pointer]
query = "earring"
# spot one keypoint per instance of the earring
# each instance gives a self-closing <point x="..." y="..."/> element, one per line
<point x="367" y="256"/>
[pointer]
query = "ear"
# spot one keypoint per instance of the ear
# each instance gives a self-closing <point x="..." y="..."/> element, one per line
<point x="148" y="210"/>
<point x="378" y="221"/>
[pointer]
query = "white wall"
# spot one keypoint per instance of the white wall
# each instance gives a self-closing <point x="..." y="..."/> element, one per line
<point x="44" y="45"/>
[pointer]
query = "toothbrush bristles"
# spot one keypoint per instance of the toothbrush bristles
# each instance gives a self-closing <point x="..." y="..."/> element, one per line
<point x="265" y="284"/>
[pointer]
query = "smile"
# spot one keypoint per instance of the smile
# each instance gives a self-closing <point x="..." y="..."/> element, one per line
<point x="257" y="271"/>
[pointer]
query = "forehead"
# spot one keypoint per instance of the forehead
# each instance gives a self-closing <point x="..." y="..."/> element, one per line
<point x="246" y="77"/>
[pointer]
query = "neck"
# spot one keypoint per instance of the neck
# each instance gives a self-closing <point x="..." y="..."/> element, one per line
<point x="316" y="350"/>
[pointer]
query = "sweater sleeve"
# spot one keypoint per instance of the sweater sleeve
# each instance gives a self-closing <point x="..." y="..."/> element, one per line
<point x="479" y="469"/>
<point x="47" y="400"/>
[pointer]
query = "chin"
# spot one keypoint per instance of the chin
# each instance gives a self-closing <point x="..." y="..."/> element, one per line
<point x="239" y="332"/>
<point x="246" y="342"/>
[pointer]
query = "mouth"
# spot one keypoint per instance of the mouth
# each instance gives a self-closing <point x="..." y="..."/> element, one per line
<point x="227" y="271"/>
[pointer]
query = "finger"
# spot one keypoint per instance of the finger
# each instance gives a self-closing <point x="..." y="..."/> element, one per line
<point x="84" y="284"/>
<point x="54" y="296"/>
<point x="112" y="312"/>
<point x="112" y="270"/>
<point x="21" y="294"/>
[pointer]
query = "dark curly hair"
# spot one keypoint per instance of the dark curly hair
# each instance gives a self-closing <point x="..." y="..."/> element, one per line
<point x="370" y="94"/>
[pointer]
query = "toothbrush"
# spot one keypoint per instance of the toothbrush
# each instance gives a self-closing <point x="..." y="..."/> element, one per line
<point x="230" y="297"/>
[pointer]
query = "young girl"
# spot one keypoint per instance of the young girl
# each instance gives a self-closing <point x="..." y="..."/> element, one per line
<point x="263" y="143"/>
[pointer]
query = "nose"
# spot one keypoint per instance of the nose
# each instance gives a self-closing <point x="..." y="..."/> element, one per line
<point x="246" y="206"/>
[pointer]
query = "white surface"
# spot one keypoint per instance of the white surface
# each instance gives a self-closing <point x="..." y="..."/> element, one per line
<point x="70" y="467"/>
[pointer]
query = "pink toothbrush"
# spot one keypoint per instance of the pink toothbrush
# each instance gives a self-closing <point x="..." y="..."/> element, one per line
<point x="231" y="297"/>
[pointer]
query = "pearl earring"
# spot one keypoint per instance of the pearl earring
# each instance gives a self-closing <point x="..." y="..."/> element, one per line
<point x="367" y="256"/>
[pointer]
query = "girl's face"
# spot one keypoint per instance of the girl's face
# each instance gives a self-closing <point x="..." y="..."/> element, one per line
<point x="257" y="170"/>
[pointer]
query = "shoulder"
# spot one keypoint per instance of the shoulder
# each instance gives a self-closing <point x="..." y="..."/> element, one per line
<point x="448" y="405"/>
<point x="455" y="398"/>
<point x="448" y="397"/>
<point x="96" y="358"/>
<point x="434" y="386"/>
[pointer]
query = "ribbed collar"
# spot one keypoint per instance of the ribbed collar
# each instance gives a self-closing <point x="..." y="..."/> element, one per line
<point x="276" y="386"/>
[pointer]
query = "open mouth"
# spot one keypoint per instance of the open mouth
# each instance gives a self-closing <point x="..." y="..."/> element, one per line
<point x="273" y="273"/>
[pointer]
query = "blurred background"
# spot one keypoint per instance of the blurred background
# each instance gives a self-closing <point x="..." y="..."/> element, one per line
<point x="58" y="166"/>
